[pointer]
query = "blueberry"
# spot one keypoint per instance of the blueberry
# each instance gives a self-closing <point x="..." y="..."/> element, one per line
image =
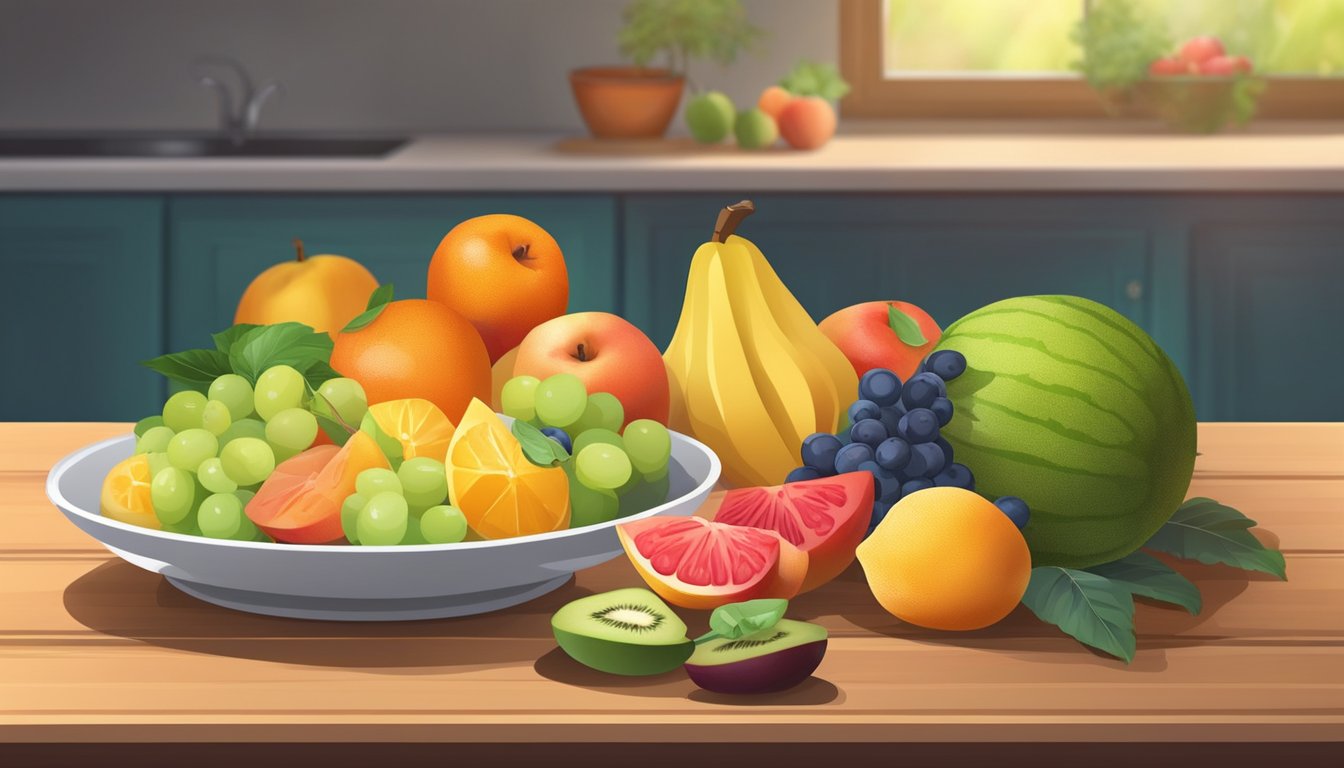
<point x="851" y="456"/>
<point x="819" y="451"/>
<point x="803" y="473"/>
<point x="891" y="420"/>
<point x="956" y="476"/>
<point x="941" y="442"/>
<point x="920" y="425"/>
<point x="863" y="409"/>
<point x="942" y="408"/>
<point x="871" y="468"/>
<point x="926" y="460"/>
<point x="560" y="436"/>
<point x="918" y="484"/>
<point x="868" y="431"/>
<point x="888" y="487"/>
<point x="880" y="386"/>
<point x="892" y="454"/>
<point x="879" y="513"/>
<point x="947" y="363"/>
<point x="921" y="390"/>
<point x="1015" y="508"/>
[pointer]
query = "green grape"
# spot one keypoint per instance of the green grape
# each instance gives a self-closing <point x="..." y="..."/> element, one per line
<point x="649" y="445"/>
<point x="518" y="397"/>
<point x="158" y="462"/>
<point x="190" y="447"/>
<point x="149" y="422"/>
<point x="589" y="506"/>
<point x="346" y="396"/>
<point x="413" y="533"/>
<point x="602" y="466"/>
<point x="383" y="520"/>
<point x="220" y="516"/>
<point x="350" y="509"/>
<point x="243" y="428"/>
<point x="247" y="530"/>
<point x="595" y="436"/>
<point x="424" y="482"/>
<point x="172" y="491"/>
<point x="443" y="524"/>
<point x="215" y="418"/>
<point x="235" y="393"/>
<point x="244" y="496"/>
<point x="248" y="460"/>
<point x="291" y="431"/>
<point x="183" y="410"/>
<point x="212" y="476"/>
<point x="278" y="387"/>
<point x="561" y="399"/>
<point x="372" y="482"/>
<point x="610" y="408"/>
<point x="155" y="440"/>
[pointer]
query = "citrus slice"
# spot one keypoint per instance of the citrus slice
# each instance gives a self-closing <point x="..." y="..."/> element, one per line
<point x="125" y="495"/>
<point x="300" y="503"/>
<point x="416" y="423"/>
<point x="499" y="491"/>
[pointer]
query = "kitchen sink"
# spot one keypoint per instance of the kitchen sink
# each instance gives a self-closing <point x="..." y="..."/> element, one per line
<point x="194" y="146"/>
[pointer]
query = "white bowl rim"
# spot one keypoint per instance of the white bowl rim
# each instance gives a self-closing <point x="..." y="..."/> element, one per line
<point x="62" y="466"/>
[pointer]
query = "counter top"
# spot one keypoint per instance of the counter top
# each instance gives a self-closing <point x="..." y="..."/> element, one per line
<point x="905" y="157"/>
<point x="94" y="651"/>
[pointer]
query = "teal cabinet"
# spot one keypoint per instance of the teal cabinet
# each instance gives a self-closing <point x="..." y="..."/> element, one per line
<point x="219" y="243"/>
<point x="84" y="303"/>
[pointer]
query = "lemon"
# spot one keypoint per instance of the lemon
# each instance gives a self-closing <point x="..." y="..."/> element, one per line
<point x="416" y="423"/>
<point x="125" y="494"/>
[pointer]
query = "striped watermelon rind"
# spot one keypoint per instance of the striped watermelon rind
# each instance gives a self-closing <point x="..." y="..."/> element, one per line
<point x="1074" y="408"/>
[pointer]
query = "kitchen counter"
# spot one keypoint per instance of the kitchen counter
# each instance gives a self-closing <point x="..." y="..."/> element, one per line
<point x="97" y="655"/>
<point x="904" y="157"/>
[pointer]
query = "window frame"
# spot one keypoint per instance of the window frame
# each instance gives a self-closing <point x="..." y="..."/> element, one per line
<point x="872" y="95"/>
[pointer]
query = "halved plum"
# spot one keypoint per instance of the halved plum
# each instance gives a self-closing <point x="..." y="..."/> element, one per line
<point x="774" y="659"/>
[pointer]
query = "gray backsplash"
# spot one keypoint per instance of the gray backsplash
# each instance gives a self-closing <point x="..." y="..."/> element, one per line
<point x="348" y="65"/>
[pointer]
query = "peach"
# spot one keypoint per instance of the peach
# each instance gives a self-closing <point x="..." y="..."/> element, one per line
<point x="864" y="333"/>
<point x="773" y="100"/>
<point x="807" y="122"/>
<point x="324" y="292"/>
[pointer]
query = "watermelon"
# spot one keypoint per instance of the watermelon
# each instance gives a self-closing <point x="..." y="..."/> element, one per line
<point x="1072" y="407"/>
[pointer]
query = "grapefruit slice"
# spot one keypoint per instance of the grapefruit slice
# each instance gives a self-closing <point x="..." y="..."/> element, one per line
<point x="416" y="423"/>
<point x="826" y="518"/>
<point x="695" y="563"/>
<point x="125" y="494"/>
<point x="300" y="503"/>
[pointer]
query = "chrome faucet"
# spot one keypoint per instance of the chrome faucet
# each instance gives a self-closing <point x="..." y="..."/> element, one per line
<point x="237" y="125"/>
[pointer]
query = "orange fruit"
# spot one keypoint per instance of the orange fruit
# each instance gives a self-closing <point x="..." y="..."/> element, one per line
<point x="325" y="292"/>
<point x="125" y="495"/>
<point x="500" y="492"/>
<point x="416" y="348"/>
<point x="417" y="424"/>
<point x="773" y="100"/>
<point x="300" y="503"/>
<point x="946" y="558"/>
<point x="503" y="273"/>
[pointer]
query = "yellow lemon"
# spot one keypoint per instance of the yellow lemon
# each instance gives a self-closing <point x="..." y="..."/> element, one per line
<point x="419" y="425"/>
<point x="125" y="495"/>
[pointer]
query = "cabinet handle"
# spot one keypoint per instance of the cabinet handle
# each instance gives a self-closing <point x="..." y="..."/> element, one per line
<point x="1134" y="290"/>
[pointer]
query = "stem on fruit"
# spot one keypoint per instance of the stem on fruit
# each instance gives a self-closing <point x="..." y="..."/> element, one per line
<point x="298" y="249"/>
<point x="520" y="253"/>
<point x="729" y="218"/>
<point x="583" y="354"/>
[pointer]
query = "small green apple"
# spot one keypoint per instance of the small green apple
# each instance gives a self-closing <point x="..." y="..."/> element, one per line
<point x="710" y="117"/>
<point x="755" y="129"/>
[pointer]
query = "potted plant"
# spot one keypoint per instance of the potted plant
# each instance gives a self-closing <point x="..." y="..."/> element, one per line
<point x="639" y="101"/>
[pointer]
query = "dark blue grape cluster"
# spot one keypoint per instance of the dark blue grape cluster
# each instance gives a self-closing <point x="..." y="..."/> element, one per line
<point x="894" y="432"/>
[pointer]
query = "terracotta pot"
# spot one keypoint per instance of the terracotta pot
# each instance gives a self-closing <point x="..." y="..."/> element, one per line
<point x="627" y="102"/>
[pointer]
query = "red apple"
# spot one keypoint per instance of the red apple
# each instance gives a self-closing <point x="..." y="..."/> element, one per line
<point x="1225" y="66"/>
<point x="1171" y="66"/>
<point x="865" y="333"/>
<point x="607" y="353"/>
<point x="1198" y="50"/>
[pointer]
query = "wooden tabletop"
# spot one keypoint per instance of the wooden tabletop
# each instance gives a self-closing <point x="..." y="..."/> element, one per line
<point x="95" y="651"/>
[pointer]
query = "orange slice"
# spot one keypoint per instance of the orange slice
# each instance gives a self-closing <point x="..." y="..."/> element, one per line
<point x="500" y="492"/>
<point x="419" y="425"/>
<point x="125" y="495"/>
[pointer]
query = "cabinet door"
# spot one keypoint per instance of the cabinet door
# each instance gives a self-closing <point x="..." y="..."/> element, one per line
<point x="950" y="256"/>
<point x="82" y="306"/>
<point x="219" y="243"/>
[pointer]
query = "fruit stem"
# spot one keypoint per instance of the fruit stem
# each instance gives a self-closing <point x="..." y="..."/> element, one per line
<point x="298" y="249"/>
<point x="729" y="218"/>
<point x="583" y="355"/>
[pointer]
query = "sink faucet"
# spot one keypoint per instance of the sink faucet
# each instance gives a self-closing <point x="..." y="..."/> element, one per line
<point x="237" y="125"/>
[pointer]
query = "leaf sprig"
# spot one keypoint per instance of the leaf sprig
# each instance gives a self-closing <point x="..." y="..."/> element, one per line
<point x="248" y="350"/>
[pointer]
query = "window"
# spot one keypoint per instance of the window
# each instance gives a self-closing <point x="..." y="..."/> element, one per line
<point x="1015" y="58"/>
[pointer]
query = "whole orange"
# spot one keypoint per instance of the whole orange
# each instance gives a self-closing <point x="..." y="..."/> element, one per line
<point x="324" y="292"/>
<point x="504" y="273"/>
<point x="416" y="348"/>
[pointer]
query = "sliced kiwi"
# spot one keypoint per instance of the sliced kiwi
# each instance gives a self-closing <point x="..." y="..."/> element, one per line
<point x="625" y="632"/>
<point x="774" y="659"/>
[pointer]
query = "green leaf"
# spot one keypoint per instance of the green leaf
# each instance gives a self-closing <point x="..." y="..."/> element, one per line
<point x="333" y="429"/>
<point x="1093" y="609"/>
<point x="224" y="339"/>
<point x="811" y="78"/>
<point x="1145" y="575"/>
<point x="1209" y="532"/>
<point x="319" y="373"/>
<point x="191" y="369"/>
<point x="292" y="344"/>
<point x="378" y="301"/>
<point x="906" y="327"/>
<point x="390" y="446"/>
<point x="539" y="449"/>
<point x="740" y="619"/>
<point x="681" y="30"/>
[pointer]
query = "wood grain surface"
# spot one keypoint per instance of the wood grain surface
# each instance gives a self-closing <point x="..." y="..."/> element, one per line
<point x="94" y="650"/>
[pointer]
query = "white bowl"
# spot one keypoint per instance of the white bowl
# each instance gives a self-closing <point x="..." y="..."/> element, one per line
<point x="347" y="583"/>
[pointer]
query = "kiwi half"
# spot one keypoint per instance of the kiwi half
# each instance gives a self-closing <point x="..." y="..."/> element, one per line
<point x="774" y="659"/>
<point x="624" y="632"/>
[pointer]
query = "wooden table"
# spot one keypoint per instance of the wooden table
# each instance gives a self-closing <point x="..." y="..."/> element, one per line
<point x="98" y="658"/>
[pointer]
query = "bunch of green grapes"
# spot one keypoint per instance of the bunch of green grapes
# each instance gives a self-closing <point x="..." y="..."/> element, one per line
<point x="408" y="506"/>
<point x="612" y="472"/>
